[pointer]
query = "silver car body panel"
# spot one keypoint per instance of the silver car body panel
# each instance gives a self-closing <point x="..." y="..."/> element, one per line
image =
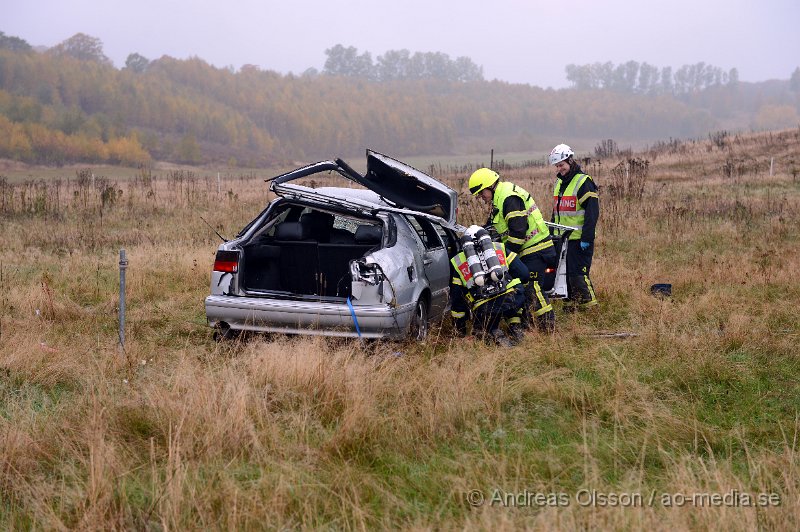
<point x="309" y="317"/>
<point x="385" y="309"/>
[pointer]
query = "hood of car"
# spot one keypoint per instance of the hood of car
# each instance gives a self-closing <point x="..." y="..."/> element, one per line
<point x="396" y="182"/>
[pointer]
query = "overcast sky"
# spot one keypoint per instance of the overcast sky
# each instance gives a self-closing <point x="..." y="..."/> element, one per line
<point x="514" y="40"/>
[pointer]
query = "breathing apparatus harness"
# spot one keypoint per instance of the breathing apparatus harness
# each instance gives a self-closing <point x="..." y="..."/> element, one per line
<point x="486" y="269"/>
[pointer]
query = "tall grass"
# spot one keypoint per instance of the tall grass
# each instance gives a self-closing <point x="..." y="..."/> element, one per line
<point x="179" y="432"/>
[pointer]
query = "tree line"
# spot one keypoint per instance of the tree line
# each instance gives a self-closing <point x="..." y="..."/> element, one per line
<point x="70" y="104"/>
<point x="643" y="78"/>
<point x="399" y="64"/>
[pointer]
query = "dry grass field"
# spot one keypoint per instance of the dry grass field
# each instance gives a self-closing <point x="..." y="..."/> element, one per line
<point x="690" y="422"/>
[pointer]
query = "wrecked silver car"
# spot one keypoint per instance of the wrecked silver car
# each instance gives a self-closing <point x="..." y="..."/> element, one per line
<point x="369" y="262"/>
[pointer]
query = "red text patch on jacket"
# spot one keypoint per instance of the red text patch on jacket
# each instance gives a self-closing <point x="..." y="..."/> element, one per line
<point x="464" y="267"/>
<point x="568" y="203"/>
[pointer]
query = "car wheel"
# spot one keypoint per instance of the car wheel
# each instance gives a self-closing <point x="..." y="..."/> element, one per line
<point x="419" y="322"/>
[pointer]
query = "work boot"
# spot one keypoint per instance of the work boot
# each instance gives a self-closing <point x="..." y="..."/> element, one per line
<point x="500" y="338"/>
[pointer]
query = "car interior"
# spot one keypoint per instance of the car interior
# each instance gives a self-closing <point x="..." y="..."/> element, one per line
<point x="308" y="252"/>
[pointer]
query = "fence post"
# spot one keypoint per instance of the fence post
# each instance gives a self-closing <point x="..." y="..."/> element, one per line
<point x="123" y="265"/>
<point x="771" y="162"/>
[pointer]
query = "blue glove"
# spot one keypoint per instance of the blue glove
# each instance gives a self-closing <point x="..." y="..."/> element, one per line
<point x="585" y="245"/>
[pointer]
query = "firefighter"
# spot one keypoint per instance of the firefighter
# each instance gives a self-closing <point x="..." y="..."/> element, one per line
<point x="576" y="203"/>
<point x="519" y="222"/>
<point x="488" y="286"/>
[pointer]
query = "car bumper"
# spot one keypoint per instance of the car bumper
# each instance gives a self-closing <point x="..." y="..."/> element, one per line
<point x="308" y="317"/>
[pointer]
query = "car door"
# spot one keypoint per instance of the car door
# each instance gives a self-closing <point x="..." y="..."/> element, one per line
<point x="435" y="262"/>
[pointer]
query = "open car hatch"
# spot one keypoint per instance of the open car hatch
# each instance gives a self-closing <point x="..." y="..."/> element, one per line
<point x="398" y="183"/>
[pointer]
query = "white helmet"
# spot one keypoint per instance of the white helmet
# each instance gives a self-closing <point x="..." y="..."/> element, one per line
<point x="560" y="153"/>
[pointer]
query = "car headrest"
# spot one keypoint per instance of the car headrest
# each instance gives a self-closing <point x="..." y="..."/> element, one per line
<point x="318" y="222"/>
<point x="291" y="231"/>
<point x="368" y="234"/>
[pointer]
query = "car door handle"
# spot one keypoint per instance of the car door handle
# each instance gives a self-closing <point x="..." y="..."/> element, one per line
<point x="427" y="261"/>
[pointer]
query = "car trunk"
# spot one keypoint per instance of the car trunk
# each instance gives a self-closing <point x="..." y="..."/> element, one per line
<point x="307" y="254"/>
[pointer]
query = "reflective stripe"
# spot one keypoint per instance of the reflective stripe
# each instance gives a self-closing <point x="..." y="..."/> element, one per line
<point x="515" y="240"/>
<point x="589" y="194"/>
<point x="506" y="291"/>
<point x="458" y="261"/>
<point x="538" y="247"/>
<point x="544" y="306"/>
<point x="591" y="291"/>
<point x="532" y="208"/>
<point x="537" y="230"/>
<point x="567" y="200"/>
<point x="516" y="214"/>
<point x="455" y="314"/>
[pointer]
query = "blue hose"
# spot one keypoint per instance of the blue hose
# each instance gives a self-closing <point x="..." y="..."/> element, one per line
<point x="353" y="314"/>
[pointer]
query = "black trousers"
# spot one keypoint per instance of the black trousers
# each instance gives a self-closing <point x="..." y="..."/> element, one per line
<point x="538" y="302"/>
<point x="488" y="315"/>
<point x="579" y="264"/>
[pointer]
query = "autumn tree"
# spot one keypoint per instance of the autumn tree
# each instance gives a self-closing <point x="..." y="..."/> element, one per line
<point x="137" y="63"/>
<point x="82" y="47"/>
<point x="346" y="61"/>
<point x="15" y="44"/>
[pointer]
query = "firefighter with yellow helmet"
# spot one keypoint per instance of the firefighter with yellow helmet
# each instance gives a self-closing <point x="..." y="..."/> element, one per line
<point x="576" y="204"/>
<point x="487" y="285"/>
<point x="519" y="222"/>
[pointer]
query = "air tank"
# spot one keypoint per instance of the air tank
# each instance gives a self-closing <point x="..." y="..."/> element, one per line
<point x="486" y="248"/>
<point x="474" y="262"/>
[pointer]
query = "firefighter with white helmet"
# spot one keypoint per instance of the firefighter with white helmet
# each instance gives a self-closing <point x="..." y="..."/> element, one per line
<point x="518" y="220"/>
<point x="577" y="204"/>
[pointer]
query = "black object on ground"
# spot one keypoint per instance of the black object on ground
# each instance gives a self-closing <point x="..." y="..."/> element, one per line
<point x="661" y="289"/>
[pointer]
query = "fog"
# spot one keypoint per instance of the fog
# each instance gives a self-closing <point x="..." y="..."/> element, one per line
<point x="513" y="40"/>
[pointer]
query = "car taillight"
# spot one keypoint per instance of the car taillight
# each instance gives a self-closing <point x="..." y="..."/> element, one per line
<point x="226" y="261"/>
<point x="549" y="270"/>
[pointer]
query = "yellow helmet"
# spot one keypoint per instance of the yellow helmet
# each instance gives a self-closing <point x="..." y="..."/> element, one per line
<point x="482" y="179"/>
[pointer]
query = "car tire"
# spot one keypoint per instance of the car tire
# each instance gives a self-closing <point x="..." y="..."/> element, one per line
<point x="418" y="330"/>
